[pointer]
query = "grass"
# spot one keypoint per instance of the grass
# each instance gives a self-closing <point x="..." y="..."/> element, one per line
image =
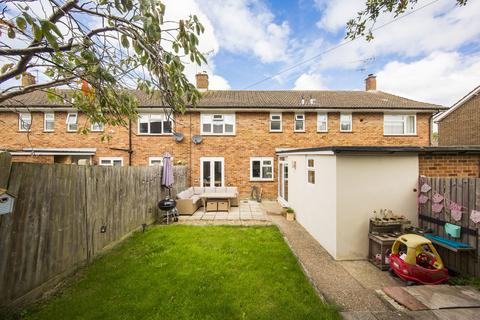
<point x="464" y="280"/>
<point x="188" y="272"/>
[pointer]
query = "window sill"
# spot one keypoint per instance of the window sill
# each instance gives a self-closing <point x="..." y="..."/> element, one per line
<point x="23" y="131"/>
<point x="261" y="180"/>
<point x="322" y="131"/>
<point x="341" y="131"/>
<point x="153" y="134"/>
<point x="276" y="131"/>
<point x="299" y="131"/>
<point x="400" y="135"/>
<point x="48" y="131"/>
<point x="218" y="134"/>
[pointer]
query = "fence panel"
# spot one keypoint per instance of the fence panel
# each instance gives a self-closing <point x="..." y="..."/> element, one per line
<point x="59" y="212"/>
<point x="465" y="192"/>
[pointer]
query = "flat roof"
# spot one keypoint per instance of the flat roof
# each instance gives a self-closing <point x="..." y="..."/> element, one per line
<point x="387" y="149"/>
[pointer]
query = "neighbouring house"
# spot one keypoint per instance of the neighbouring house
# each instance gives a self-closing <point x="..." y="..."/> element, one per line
<point x="335" y="190"/>
<point x="460" y="125"/>
<point x="229" y="139"/>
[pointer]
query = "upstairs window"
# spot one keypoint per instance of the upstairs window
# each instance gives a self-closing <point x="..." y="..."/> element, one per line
<point x="261" y="169"/>
<point x="218" y="124"/>
<point x="155" y="124"/>
<point x="275" y="122"/>
<point x="49" y="122"/>
<point x="345" y="122"/>
<point x="397" y="124"/>
<point x="24" y="121"/>
<point x="299" y="122"/>
<point x="311" y="170"/>
<point x="72" y="122"/>
<point x="322" y="122"/>
<point x="96" y="127"/>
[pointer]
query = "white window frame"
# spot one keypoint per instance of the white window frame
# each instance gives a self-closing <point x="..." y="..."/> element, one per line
<point x="100" y="129"/>
<point x="218" y="118"/>
<point x="261" y="159"/>
<point x="272" y="114"/>
<point x="111" y="159"/>
<point x="212" y="159"/>
<point x="22" y="116"/>
<point x="295" y="122"/>
<point x="351" y="121"/>
<point x="45" y="114"/>
<point x="404" y="121"/>
<point x="320" y="114"/>
<point x="152" y="159"/>
<point x="71" y="114"/>
<point x="163" y="117"/>
<point x="310" y="169"/>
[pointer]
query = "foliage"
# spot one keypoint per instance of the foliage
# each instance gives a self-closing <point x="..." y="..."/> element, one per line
<point x="111" y="45"/>
<point x="290" y="210"/>
<point x="362" y="25"/>
<point x="462" y="280"/>
<point x="189" y="272"/>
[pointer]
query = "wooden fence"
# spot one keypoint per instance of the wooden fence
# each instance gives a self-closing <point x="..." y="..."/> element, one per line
<point x="465" y="192"/>
<point x="59" y="216"/>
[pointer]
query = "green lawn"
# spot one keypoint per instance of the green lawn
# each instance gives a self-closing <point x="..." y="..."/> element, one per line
<point x="188" y="272"/>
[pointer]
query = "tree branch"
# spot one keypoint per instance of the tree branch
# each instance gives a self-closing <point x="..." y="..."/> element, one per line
<point x="34" y="87"/>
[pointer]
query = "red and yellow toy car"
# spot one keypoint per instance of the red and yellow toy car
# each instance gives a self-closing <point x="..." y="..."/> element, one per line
<point x="415" y="259"/>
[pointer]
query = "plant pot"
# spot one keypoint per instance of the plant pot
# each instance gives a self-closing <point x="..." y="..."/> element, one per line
<point x="290" y="216"/>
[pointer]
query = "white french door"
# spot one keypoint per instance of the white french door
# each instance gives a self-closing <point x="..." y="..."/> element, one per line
<point x="212" y="172"/>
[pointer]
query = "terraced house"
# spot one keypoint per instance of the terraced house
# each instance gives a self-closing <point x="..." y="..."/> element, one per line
<point x="229" y="139"/>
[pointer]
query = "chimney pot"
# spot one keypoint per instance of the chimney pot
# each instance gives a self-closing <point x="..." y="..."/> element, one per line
<point x="371" y="82"/>
<point x="28" y="79"/>
<point x="202" y="81"/>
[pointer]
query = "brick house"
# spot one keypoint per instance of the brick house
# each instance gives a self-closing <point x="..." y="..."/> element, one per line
<point x="460" y="124"/>
<point x="240" y="131"/>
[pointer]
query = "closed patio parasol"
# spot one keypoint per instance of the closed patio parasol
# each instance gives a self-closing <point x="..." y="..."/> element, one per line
<point x="167" y="176"/>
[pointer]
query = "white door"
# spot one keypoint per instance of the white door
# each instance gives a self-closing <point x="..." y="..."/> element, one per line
<point x="283" y="180"/>
<point x="212" y="172"/>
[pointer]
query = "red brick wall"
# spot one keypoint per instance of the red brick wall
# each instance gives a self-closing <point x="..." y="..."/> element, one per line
<point x="461" y="166"/>
<point x="461" y="127"/>
<point x="252" y="139"/>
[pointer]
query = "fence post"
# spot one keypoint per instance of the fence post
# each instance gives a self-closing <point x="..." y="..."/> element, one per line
<point x="5" y="166"/>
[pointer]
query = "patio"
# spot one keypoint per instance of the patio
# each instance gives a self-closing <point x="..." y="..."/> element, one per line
<point x="247" y="211"/>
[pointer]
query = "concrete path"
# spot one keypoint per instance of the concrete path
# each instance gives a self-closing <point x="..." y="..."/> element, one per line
<point x="350" y="285"/>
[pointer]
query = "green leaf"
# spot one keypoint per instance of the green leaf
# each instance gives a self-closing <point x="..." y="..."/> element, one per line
<point x="21" y="23"/>
<point x="11" y="33"/>
<point x="37" y="32"/>
<point x="52" y="40"/>
<point x="124" y="41"/>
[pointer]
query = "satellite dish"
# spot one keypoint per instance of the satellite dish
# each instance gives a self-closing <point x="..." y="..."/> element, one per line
<point x="178" y="136"/>
<point x="197" y="139"/>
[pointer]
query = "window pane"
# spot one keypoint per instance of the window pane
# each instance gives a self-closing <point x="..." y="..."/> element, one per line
<point x="256" y="169"/>
<point x="275" y="117"/>
<point x="143" y="127"/>
<point x="167" y="126"/>
<point x="157" y="162"/>
<point x="311" y="176"/>
<point x="267" y="172"/>
<point x="410" y="129"/>
<point x="394" y="127"/>
<point x="322" y="126"/>
<point x="218" y="173"/>
<point x="207" y="128"/>
<point x="49" y="125"/>
<point x="105" y="162"/>
<point x="206" y="174"/>
<point x="298" y="125"/>
<point x="117" y="163"/>
<point x="311" y="163"/>
<point x="97" y="127"/>
<point x="275" y="125"/>
<point x="229" y="128"/>
<point x="155" y="126"/>
<point x="218" y="128"/>
<point x="345" y="126"/>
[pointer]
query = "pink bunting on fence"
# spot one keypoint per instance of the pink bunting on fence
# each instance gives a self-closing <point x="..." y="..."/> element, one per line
<point x="437" y="198"/>
<point x="437" y="207"/>
<point x="456" y="215"/>
<point x="475" y="216"/>
<point x="425" y="187"/>
<point x="455" y="206"/>
<point x="422" y="198"/>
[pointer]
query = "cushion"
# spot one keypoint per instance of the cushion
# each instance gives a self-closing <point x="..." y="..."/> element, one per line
<point x="232" y="189"/>
<point x="195" y="198"/>
<point x="189" y="192"/>
<point x="209" y="189"/>
<point x="198" y="190"/>
<point x="182" y="195"/>
<point x="220" y="189"/>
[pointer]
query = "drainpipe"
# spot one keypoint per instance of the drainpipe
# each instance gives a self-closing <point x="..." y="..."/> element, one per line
<point x="130" y="151"/>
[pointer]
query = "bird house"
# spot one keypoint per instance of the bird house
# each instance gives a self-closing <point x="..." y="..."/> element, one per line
<point x="7" y="202"/>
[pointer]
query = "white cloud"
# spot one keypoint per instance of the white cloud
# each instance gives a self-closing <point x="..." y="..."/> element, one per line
<point x="337" y="13"/>
<point x="441" y="77"/>
<point x="309" y="81"/>
<point x="247" y="26"/>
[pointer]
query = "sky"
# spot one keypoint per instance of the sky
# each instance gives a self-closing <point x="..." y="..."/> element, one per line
<point x="429" y="55"/>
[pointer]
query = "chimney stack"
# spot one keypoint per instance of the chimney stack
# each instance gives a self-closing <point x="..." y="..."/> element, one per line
<point x="28" y="79"/>
<point x="371" y="82"/>
<point x="202" y="81"/>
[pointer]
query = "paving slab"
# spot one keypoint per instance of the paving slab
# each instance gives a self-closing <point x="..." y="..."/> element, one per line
<point x="445" y="296"/>
<point x="404" y="298"/>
